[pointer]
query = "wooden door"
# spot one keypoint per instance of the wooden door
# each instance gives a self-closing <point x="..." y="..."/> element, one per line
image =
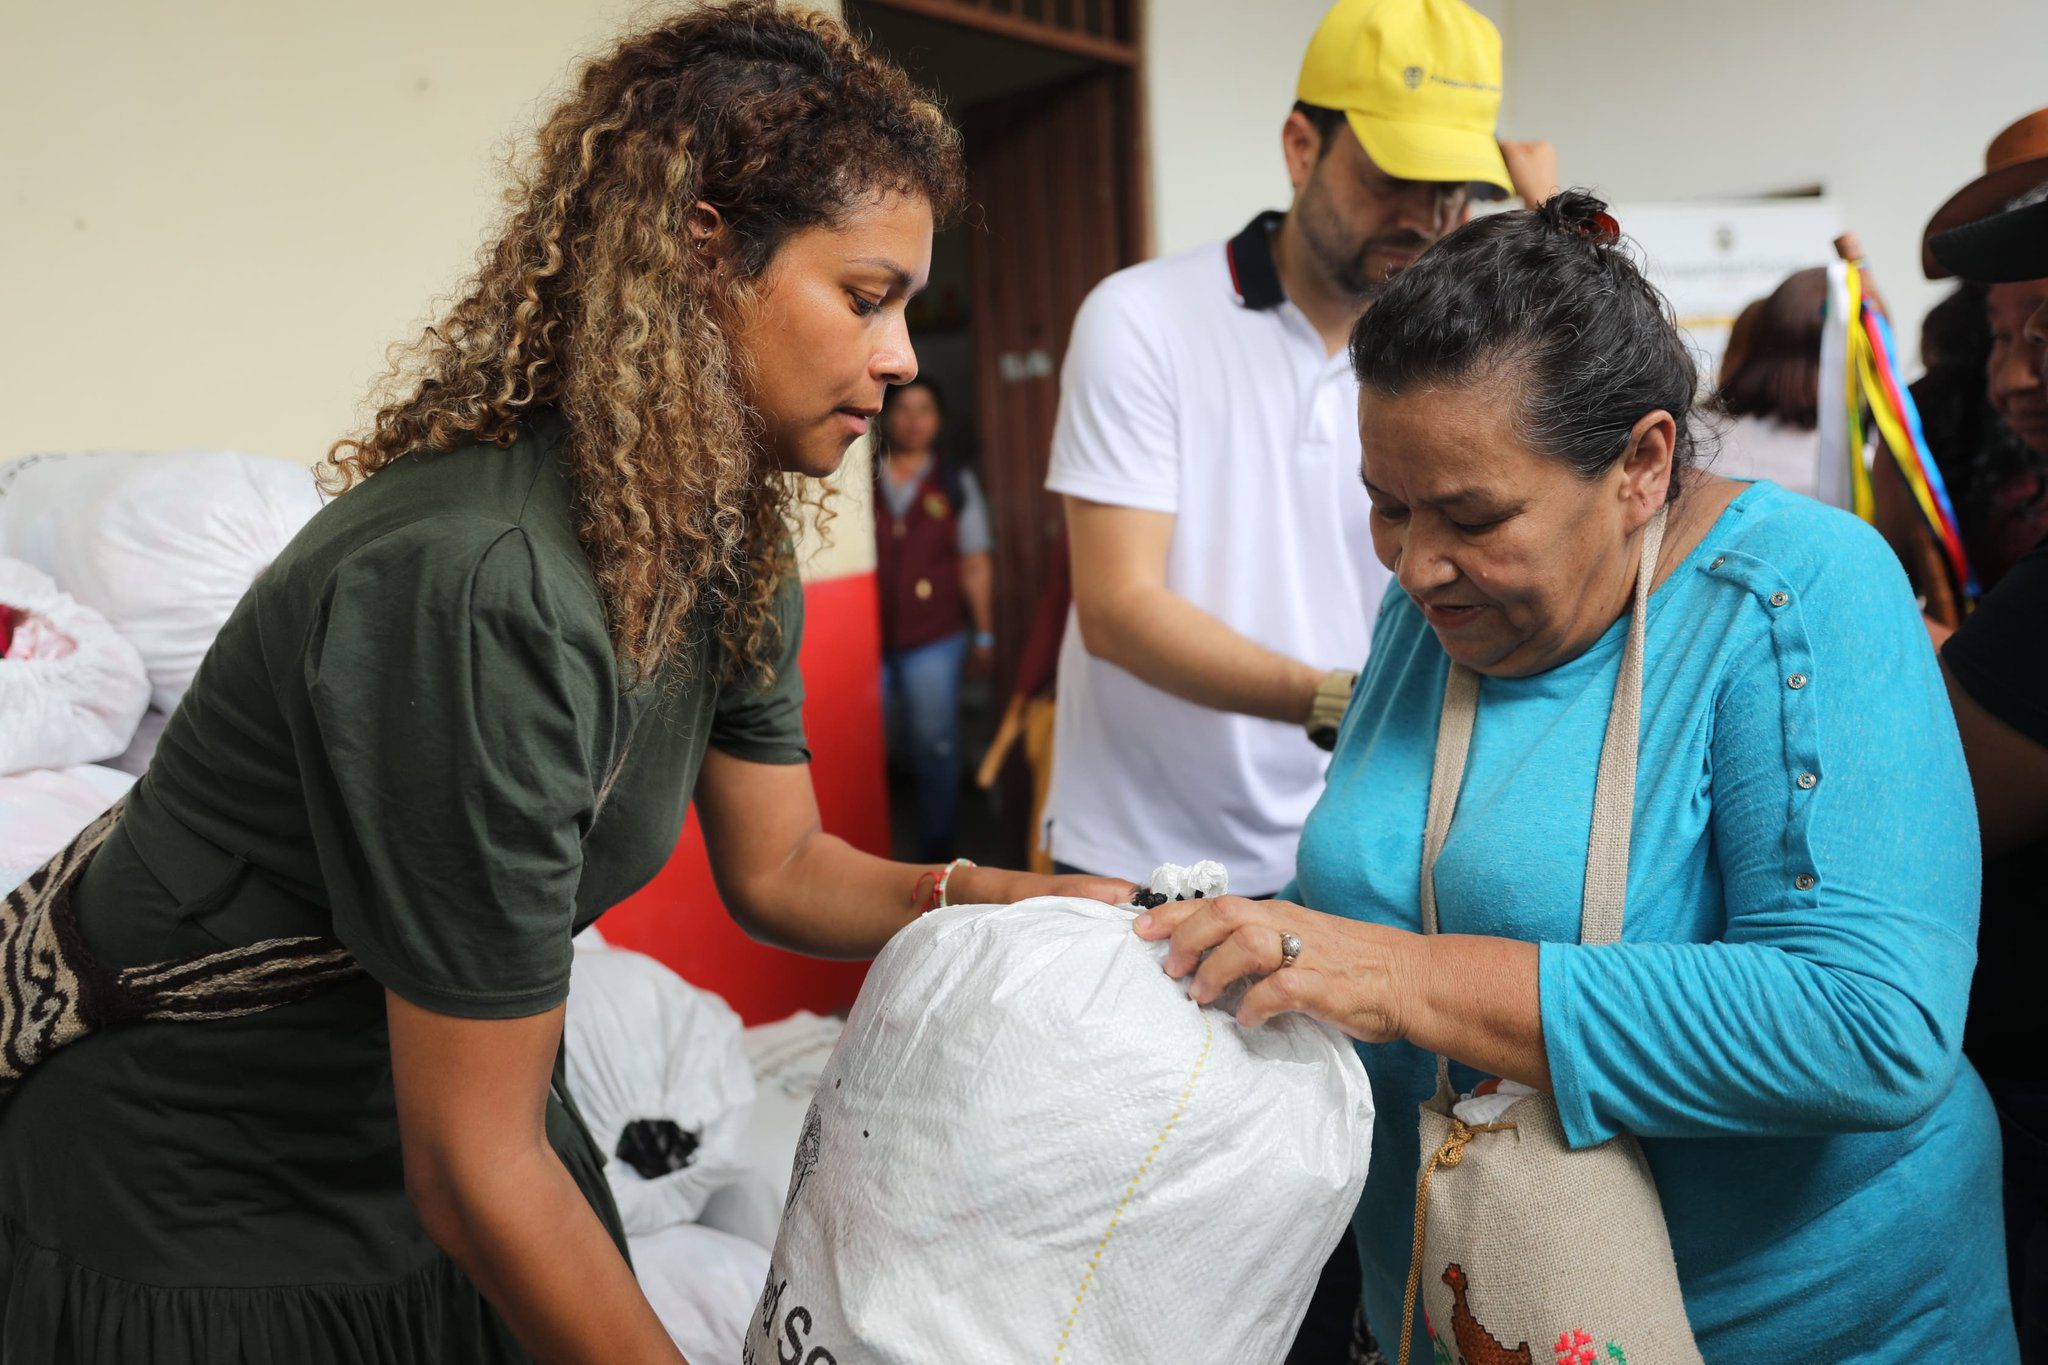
<point x="1054" y="180"/>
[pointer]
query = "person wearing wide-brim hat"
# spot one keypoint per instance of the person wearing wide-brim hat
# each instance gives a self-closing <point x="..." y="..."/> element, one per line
<point x="2014" y="163"/>
<point x="1997" y="671"/>
<point x="2004" y="248"/>
<point x="1995" y="470"/>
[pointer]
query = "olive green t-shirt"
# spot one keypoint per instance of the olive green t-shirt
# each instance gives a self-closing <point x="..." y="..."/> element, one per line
<point x="402" y="736"/>
<point x="413" y="728"/>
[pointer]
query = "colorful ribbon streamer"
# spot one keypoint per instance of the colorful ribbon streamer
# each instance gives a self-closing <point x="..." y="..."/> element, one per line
<point x="1870" y="382"/>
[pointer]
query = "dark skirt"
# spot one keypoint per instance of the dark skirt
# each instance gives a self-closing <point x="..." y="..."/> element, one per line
<point x="232" y="1193"/>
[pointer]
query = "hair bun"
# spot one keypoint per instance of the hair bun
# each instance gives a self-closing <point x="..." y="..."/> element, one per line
<point x="1581" y="214"/>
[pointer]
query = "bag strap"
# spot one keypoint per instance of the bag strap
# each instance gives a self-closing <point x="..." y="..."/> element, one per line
<point x="1614" y="789"/>
<point x="1447" y="777"/>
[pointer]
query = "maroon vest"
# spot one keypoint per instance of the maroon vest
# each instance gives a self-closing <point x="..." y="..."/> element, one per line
<point x="918" y="565"/>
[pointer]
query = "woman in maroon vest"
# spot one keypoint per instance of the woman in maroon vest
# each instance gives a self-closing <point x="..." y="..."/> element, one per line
<point x="932" y="548"/>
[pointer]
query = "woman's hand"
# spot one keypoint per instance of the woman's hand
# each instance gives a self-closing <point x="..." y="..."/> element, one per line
<point x="999" y="886"/>
<point x="1364" y="979"/>
<point x="1470" y="997"/>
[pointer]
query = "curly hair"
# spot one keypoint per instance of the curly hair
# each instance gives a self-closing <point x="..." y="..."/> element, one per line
<point x="593" y="303"/>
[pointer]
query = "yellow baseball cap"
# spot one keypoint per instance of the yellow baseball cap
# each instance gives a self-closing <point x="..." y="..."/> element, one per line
<point x="1419" y="81"/>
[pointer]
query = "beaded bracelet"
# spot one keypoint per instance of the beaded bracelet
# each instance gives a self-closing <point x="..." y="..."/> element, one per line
<point x="946" y="877"/>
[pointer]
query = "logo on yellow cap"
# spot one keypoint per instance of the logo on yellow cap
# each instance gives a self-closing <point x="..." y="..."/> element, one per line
<point x="1413" y="77"/>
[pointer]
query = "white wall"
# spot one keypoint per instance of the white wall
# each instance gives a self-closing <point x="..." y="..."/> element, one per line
<point x="1219" y="79"/>
<point x="218" y="215"/>
<point x="1888" y="104"/>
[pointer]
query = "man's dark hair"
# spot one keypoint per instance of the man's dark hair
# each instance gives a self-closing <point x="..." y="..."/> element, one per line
<point x="1549" y="297"/>
<point x="1325" y="121"/>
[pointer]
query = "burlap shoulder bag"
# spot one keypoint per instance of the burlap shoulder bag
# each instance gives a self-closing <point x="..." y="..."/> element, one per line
<point x="1527" y="1252"/>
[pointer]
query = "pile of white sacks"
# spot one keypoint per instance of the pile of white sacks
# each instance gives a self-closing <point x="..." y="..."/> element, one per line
<point x="116" y="573"/>
<point x="699" y="1120"/>
<point x="1027" y="1144"/>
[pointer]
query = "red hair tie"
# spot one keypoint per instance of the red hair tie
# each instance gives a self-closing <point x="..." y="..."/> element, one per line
<point x="1603" y="229"/>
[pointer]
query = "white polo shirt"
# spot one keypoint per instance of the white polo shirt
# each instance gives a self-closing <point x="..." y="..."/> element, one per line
<point x="1192" y="386"/>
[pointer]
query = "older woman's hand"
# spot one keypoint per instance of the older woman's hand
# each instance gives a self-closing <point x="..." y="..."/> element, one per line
<point x="1364" y="979"/>
<point x="1470" y="997"/>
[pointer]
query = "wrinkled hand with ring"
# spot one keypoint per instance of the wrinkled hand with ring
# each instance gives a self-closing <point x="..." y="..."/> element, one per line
<point x="1364" y="979"/>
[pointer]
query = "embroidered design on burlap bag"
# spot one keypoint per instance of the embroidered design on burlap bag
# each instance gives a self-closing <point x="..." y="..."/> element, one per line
<point x="1575" y="1347"/>
<point x="54" y="992"/>
<point x="1477" y="1345"/>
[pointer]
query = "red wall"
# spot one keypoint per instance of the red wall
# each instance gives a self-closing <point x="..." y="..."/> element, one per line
<point x="678" y="918"/>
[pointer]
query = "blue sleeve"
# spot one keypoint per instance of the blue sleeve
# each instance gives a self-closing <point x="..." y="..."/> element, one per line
<point x="1847" y="846"/>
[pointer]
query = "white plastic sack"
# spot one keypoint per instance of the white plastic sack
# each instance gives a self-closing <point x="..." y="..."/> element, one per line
<point x="702" y="1284"/>
<point x="135" y="759"/>
<point x="1030" y="1145"/>
<point x="646" y="1047"/>
<point x="787" y="1058"/>
<point x="162" y="545"/>
<point x="71" y="689"/>
<point x="42" y="811"/>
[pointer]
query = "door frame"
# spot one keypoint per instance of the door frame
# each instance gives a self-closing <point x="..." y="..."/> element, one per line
<point x="1110" y="31"/>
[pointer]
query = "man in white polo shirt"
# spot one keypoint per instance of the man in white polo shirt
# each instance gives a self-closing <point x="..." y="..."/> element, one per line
<point x="1207" y="448"/>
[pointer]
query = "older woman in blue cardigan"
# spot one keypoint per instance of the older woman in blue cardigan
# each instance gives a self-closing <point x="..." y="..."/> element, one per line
<point x="1780" y="1023"/>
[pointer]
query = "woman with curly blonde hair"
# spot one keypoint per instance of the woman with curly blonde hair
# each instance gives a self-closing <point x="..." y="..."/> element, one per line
<point x="322" y="1118"/>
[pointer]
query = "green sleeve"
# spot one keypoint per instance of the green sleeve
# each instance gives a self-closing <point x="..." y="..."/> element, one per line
<point x="764" y="723"/>
<point x="463" y="702"/>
